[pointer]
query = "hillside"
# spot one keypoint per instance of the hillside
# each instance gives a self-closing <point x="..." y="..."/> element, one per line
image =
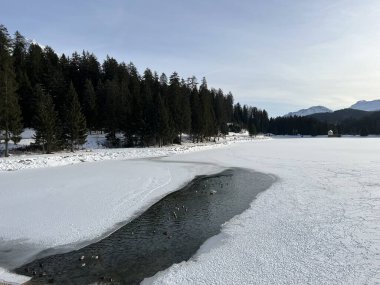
<point x="309" y="111"/>
<point x="340" y="115"/>
<point x="367" y="105"/>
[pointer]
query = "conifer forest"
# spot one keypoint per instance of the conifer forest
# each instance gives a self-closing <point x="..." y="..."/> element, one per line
<point x="65" y="97"/>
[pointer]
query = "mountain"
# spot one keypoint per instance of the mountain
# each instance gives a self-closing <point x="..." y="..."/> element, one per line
<point x="367" y="105"/>
<point x="309" y="111"/>
<point x="341" y="115"/>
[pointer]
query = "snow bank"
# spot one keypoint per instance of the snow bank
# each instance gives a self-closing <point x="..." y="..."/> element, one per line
<point x="91" y="155"/>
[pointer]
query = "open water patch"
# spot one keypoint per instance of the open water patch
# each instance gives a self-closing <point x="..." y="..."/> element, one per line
<point x="170" y="231"/>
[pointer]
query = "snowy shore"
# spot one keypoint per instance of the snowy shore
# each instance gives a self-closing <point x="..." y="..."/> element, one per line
<point x="93" y="151"/>
<point x="316" y="225"/>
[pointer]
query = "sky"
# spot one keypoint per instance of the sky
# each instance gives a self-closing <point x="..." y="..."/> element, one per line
<point x="273" y="54"/>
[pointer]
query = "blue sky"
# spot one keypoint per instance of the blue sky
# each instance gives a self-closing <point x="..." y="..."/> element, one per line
<point x="277" y="55"/>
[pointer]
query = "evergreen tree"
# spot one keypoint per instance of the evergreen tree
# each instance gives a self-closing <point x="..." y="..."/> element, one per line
<point x="100" y="92"/>
<point x="89" y="69"/>
<point x="46" y="121"/>
<point x="264" y="122"/>
<point x="112" y="105"/>
<point x="124" y="108"/>
<point x="74" y="125"/>
<point x="110" y="68"/>
<point x="221" y="113"/>
<point x="196" y="116"/>
<point x="53" y="81"/>
<point x="136" y="124"/>
<point x="251" y="126"/>
<point x="148" y="126"/>
<point x="238" y="114"/>
<point x="185" y="125"/>
<point x="209" y="126"/>
<point x="229" y="107"/>
<point x="89" y="105"/>
<point x="179" y="107"/>
<point x="24" y="90"/>
<point x="364" y="132"/>
<point x="162" y="121"/>
<point x="10" y="112"/>
<point x="34" y="64"/>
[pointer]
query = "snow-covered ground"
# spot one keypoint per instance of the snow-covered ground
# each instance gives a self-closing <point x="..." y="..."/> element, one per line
<point x="27" y="137"/>
<point x="93" y="150"/>
<point x="319" y="224"/>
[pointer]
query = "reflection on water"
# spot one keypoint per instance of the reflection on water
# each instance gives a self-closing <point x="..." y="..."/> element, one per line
<point x="170" y="231"/>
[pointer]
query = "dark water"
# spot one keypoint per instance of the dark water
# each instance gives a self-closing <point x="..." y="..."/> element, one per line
<point x="169" y="232"/>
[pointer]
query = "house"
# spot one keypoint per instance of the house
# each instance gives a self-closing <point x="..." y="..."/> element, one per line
<point x="331" y="134"/>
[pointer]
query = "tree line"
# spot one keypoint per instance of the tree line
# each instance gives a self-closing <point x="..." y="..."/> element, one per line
<point x="294" y="125"/>
<point x="65" y="97"/>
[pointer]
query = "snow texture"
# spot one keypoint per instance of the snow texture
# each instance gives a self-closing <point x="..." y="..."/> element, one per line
<point x="367" y="105"/>
<point x="319" y="224"/>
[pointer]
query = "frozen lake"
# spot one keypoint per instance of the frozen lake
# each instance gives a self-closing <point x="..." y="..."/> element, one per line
<point x="317" y="224"/>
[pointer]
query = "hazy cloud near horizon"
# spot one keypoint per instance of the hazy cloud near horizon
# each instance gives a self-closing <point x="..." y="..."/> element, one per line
<point x="277" y="55"/>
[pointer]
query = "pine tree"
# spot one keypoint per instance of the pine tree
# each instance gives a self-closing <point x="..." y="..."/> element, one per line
<point x="251" y="126"/>
<point x="45" y="121"/>
<point x="112" y="115"/>
<point x="34" y="64"/>
<point x="364" y="132"/>
<point x="10" y="112"/>
<point x="74" y="125"/>
<point x="124" y="110"/>
<point x="89" y="104"/>
<point x="185" y="112"/>
<point x="147" y="88"/>
<point x="174" y="104"/>
<point x="24" y="90"/>
<point x="196" y="116"/>
<point x="209" y="126"/>
<point x="162" y="121"/>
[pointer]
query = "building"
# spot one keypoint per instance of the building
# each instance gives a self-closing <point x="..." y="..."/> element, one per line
<point x="331" y="134"/>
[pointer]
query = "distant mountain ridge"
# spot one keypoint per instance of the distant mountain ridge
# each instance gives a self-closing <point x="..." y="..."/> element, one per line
<point x="368" y="106"/>
<point x="362" y="105"/>
<point x="341" y="115"/>
<point x="309" y="111"/>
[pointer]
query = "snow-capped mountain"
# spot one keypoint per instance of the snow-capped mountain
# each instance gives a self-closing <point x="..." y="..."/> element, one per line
<point x="309" y="111"/>
<point x="367" y="105"/>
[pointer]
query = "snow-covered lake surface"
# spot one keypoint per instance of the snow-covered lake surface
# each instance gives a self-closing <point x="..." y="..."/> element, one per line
<point x="318" y="224"/>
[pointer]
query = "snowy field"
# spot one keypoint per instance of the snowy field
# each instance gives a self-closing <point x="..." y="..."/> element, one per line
<point x="319" y="224"/>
